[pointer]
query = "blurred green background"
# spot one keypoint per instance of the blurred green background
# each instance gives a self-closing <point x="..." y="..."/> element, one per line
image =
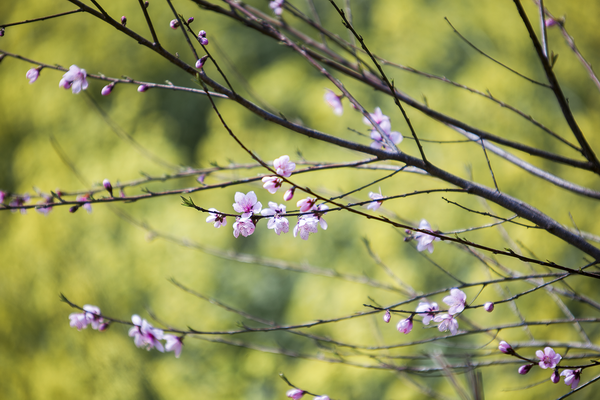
<point x="104" y="260"/>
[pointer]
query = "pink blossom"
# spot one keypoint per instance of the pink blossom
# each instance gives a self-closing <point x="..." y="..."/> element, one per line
<point x="374" y="205"/>
<point x="18" y="201"/>
<point x="289" y="194"/>
<point x="550" y="22"/>
<point x="405" y="325"/>
<point x="335" y="102"/>
<point x="32" y="75"/>
<point x="108" y="186"/>
<point x="320" y="212"/>
<point x="174" y="344"/>
<point x="424" y="240"/>
<point x="489" y="306"/>
<point x="174" y="24"/>
<point x="306" y="204"/>
<point x="555" y="378"/>
<point x="276" y="222"/>
<point x="523" y="369"/>
<point x="3" y="196"/>
<point x="215" y="217"/>
<point x="145" y="335"/>
<point x="456" y="301"/>
<point x="324" y="397"/>
<point x="190" y="20"/>
<point x="90" y="316"/>
<point x="430" y="310"/>
<point x="45" y="207"/>
<point x="379" y="118"/>
<point x="505" y="348"/>
<point x="245" y="226"/>
<point x="283" y="166"/>
<point x="142" y="88"/>
<point x="572" y="377"/>
<point x="379" y="142"/>
<point x="247" y="204"/>
<point x="295" y="393"/>
<point x="74" y="79"/>
<point x="84" y="198"/>
<point x="447" y="323"/>
<point x="277" y="6"/>
<point x="306" y="225"/>
<point x="272" y="183"/>
<point x="548" y="358"/>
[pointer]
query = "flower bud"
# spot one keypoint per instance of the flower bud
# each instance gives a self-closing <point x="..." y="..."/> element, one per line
<point x="1" y="32"/>
<point x="33" y="74"/>
<point x="107" y="89"/>
<point x="555" y="378"/>
<point x="190" y="20"/>
<point x="202" y="33"/>
<point x="405" y="325"/>
<point x="174" y="24"/>
<point x="201" y="61"/>
<point x="104" y="326"/>
<point x="489" y="306"/>
<point x="122" y="192"/>
<point x="387" y="316"/>
<point x="142" y="88"/>
<point x="289" y="194"/>
<point x="73" y="209"/>
<point x="523" y="369"/>
<point x="550" y="22"/>
<point x="203" y="41"/>
<point x="505" y="348"/>
<point x="123" y="20"/>
<point x="201" y="178"/>
<point x="2" y="196"/>
<point x="146" y="4"/>
<point x="108" y="186"/>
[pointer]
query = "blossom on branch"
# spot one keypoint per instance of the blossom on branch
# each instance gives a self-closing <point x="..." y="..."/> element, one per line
<point x="84" y="198"/>
<point x="45" y="205"/>
<point x="283" y="166"/>
<point x="374" y="205"/>
<point x="447" y="323"/>
<point x="277" y="221"/>
<point x="405" y="325"/>
<point x="295" y="393"/>
<point x="289" y="194"/>
<point x="33" y="74"/>
<point x="456" y="301"/>
<point x="306" y="225"/>
<point x="334" y="102"/>
<point x="489" y="306"/>
<point x="306" y="204"/>
<point x="247" y="204"/>
<point x="202" y="38"/>
<point x="555" y="377"/>
<point x="387" y="316"/>
<point x="523" y="369"/>
<point x="424" y="240"/>
<point x="242" y="225"/>
<point x="272" y="183"/>
<point x="277" y="6"/>
<point x="174" y="24"/>
<point x="106" y="90"/>
<point x="215" y="217"/>
<point x="383" y="121"/>
<point x="145" y="335"/>
<point x="74" y="79"/>
<point x="548" y="358"/>
<point x="430" y="310"/>
<point x="90" y="316"/>
<point x="174" y="344"/>
<point x="19" y="201"/>
<point x="572" y="377"/>
<point x="505" y="348"/>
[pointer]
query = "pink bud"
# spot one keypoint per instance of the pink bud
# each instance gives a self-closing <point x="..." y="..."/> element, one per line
<point x="489" y="306"/>
<point x="201" y="178"/>
<point x="108" y="187"/>
<point x="107" y="89"/>
<point x="203" y="41"/>
<point x="289" y="194"/>
<point x="505" y="348"/>
<point x="1" y="32"/>
<point x="190" y="20"/>
<point x="550" y="22"/>
<point x="123" y="20"/>
<point x="201" y="61"/>
<point x="33" y="74"/>
<point x="202" y="33"/>
<point x="174" y="24"/>
<point x="523" y="369"/>
<point x="142" y="88"/>
<point x="73" y="209"/>
<point x="555" y="378"/>
<point x="387" y="316"/>
<point x="103" y="326"/>
<point x="146" y="4"/>
<point x="295" y="394"/>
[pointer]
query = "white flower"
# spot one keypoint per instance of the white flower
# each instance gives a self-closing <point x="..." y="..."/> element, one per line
<point x="335" y="102"/>
<point x="456" y="301"/>
<point x="74" y="79"/>
<point x="425" y="240"/>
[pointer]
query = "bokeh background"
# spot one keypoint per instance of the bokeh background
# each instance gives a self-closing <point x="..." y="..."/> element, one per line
<point x="105" y="260"/>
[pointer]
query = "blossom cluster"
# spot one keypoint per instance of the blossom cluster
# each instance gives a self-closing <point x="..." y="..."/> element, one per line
<point x="143" y="333"/>
<point x="297" y="394"/>
<point x="548" y="359"/>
